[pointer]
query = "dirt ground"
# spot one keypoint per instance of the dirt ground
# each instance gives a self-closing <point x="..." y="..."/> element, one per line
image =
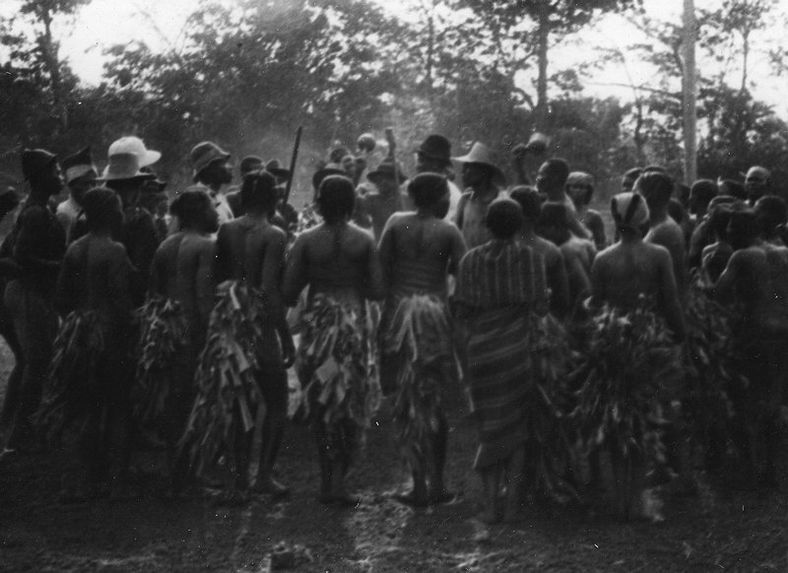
<point x="722" y="528"/>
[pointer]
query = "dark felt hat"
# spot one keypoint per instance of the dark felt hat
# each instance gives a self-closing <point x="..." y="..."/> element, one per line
<point x="78" y="165"/>
<point x="386" y="170"/>
<point x="250" y="163"/>
<point x="277" y="170"/>
<point x="36" y="160"/>
<point x="205" y="153"/>
<point x="436" y="147"/>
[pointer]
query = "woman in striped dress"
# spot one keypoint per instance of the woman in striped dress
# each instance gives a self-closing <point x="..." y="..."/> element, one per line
<point x="500" y="286"/>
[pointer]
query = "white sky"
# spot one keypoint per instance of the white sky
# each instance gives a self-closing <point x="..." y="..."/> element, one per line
<point x="160" y="23"/>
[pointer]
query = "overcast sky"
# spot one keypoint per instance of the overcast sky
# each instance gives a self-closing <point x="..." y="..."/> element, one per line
<point x="160" y="22"/>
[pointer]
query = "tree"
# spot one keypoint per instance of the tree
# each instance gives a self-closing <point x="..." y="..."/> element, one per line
<point x="536" y="24"/>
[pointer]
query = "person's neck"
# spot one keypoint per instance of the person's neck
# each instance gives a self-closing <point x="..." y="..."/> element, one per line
<point x="657" y="216"/>
<point x="527" y="232"/>
<point x="213" y="186"/>
<point x="556" y="194"/>
<point x="424" y="213"/>
<point x="258" y="215"/>
<point x="630" y="237"/>
<point x="38" y="197"/>
<point x="102" y="233"/>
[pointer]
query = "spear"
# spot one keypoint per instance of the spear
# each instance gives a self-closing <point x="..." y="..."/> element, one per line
<point x="296" y="145"/>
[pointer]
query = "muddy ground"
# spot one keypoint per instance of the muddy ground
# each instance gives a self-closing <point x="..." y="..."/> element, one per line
<point x="722" y="528"/>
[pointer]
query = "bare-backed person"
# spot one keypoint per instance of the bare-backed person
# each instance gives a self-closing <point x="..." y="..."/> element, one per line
<point x="418" y="250"/>
<point x="251" y="250"/>
<point x="183" y="271"/>
<point x="339" y="264"/>
<point x="756" y="278"/>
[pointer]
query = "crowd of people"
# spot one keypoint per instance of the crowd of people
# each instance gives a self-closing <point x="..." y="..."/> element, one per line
<point x="134" y="315"/>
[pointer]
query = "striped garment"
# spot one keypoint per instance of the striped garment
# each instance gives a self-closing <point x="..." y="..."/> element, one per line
<point x="500" y="284"/>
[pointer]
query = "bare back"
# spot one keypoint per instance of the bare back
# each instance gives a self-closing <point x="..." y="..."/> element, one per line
<point x="670" y="235"/>
<point x="339" y="260"/>
<point x="557" y="279"/>
<point x="417" y="252"/>
<point x="183" y="271"/>
<point x="622" y="273"/>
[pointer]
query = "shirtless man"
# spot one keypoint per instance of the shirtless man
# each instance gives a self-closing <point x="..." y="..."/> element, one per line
<point x="416" y="251"/>
<point x="551" y="182"/>
<point x="375" y="207"/>
<point x="580" y="188"/>
<point x="758" y="183"/>
<point x="557" y="278"/>
<point x="339" y="263"/>
<point x="80" y="176"/>
<point x="656" y="188"/>
<point x="628" y="270"/>
<point x="757" y="278"/>
<point x="252" y="250"/>
<point x="182" y="271"/>
<point x="483" y="181"/>
<point x="95" y="278"/>
<point x="36" y="245"/>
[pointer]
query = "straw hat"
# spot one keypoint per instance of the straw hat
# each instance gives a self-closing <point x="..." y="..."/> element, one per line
<point x="131" y="144"/>
<point x="124" y="166"/>
<point x="480" y="154"/>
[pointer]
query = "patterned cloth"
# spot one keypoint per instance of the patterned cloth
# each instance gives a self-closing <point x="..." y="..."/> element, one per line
<point x="416" y="333"/>
<point x="500" y="283"/>
<point x="336" y="365"/>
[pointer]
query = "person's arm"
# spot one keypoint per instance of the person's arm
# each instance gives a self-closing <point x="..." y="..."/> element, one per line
<point x="457" y="249"/>
<point x="271" y="282"/>
<point x="376" y="290"/>
<point x="670" y="296"/>
<point x="295" y="272"/>
<point x="558" y="281"/>
<point x="223" y="270"/>
<point x="66" y="291"/>
<point x="597" y="227"/>
<point x="579" y="283"/>
<point x="598" y="283"/>
<point x="157" y="285"/>
<point x="387" y="251"/>
<point x="205" y="283"/>
<point x="725" y="288"/>
<point x="120" y="295"/>
<point x="34" y="228"/>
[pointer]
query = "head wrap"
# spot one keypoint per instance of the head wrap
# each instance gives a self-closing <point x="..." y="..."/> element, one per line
<point x="629" y="210"/>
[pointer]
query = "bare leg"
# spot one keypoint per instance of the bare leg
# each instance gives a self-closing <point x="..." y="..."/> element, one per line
<point x="515" y="473"/>
<point x="273" y="431"/>
<point x="438" y="491"/>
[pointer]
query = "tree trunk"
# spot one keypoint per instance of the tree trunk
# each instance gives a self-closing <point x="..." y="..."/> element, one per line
<point x="690" y="96"/>
<point x="543" y="33"/>
<point x="49" y="54"/>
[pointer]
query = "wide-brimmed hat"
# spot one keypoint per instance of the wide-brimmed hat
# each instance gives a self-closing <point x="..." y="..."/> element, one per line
<point x="580" y="178"/>
<point x="386" y="170"/>
<point x="538" y="142"/>
<point x="124" y="166"/>
<point x="482" y="155"/>
<point x="132" y="144"/>
<point x="325" y="171"/>
<point x="436" y="147"/>
<point x="205" y="153"/>
<point x="36" y="160"/>
<point x="274" y="168"/>
<point x="78" y="165"/>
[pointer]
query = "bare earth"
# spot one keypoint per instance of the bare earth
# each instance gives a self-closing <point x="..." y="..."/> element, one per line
<point x="721" y="529"/>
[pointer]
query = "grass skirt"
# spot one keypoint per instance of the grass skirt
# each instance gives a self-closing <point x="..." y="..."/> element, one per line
<point x="229" y="400"/>
<point x="336" y="365"/>
<point x="419" y="334"/>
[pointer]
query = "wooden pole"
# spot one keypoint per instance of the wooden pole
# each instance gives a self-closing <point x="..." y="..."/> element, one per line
<point x="289" y="184"/>
<point x="690" y="95"/>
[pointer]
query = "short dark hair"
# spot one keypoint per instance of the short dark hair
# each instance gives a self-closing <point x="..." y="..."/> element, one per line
<point x="190" y="208"/>
<point x="656" y="188"/>
<point x="504" y="218"/>
<point x="557" y="169"/>
<point x="703" y="191"/>
<point x="99" y="203"/>
<point x="427" y="189"/>
<point x="676" y="210"/>
<point x="530" y="201"/>
<point x="258" y="191"/>
<point x="771" y="212"/>
<point x="336" y="198"/>
<point x="719" y="218"/>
